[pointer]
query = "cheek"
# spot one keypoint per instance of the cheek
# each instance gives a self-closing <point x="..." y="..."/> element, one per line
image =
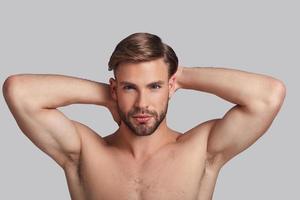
<point x="125" y="102"/>
<point x="160" y="100"/>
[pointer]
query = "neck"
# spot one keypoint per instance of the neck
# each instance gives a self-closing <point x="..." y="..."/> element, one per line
<point x="141" y="147"/>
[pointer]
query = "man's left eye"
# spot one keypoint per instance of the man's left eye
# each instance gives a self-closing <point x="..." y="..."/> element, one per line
<point x="156" y="86"/>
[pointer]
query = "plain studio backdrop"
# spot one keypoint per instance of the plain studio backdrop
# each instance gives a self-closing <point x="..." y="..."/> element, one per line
<point x="76" y="38"/>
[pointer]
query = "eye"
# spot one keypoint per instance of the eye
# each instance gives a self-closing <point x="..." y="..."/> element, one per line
<point x="155" y="86"/>
<point x="127" y="87"/>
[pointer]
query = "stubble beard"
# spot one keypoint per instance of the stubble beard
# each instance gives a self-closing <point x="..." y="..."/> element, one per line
<point x="143" y="129"/>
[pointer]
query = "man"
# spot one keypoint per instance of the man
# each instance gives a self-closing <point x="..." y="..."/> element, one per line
<point x="143" y="159"/>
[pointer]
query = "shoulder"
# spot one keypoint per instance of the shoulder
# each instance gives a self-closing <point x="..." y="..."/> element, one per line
<point x="197" y="138"/>
<point x="199" y="132"/>
<point x="88" y="136"/>
<point x="87" y="133"/>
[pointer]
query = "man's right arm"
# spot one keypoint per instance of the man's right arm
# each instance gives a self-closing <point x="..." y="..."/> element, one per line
<point x="33" y="99"/>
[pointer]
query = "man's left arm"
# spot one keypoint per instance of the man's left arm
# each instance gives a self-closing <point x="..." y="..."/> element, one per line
<point x="258" y="99"/>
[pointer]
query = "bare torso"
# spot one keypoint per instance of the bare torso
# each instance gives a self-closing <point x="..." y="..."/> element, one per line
<point x="178" y="171"/>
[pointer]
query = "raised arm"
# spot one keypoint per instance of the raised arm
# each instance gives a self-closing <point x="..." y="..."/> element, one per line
<point x="33" y="99"/>
<point x="258" y="99"/>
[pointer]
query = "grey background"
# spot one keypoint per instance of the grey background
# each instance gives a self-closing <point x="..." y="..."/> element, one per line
<point x="77" y="38"/>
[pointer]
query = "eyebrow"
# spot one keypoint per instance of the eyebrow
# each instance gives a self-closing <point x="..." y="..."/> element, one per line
<point x="160" y="82"/>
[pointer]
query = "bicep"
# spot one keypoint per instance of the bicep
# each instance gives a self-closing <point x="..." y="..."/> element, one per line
<point x="51" y="131"/>
<point x="237" y="130"/>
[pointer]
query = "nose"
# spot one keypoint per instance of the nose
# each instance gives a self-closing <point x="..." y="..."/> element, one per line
<point x="141" y="101"/>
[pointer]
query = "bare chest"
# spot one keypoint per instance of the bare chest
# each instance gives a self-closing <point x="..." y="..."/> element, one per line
<point x="174" y="173"/>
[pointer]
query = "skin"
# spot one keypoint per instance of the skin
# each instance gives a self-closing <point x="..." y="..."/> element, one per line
<point x="143" y="161"/>
<point x="136" y="94"/>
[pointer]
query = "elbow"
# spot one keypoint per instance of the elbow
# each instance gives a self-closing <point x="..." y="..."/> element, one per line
<point x="277" y="94"/>
<point x="7" y="85"/>
<point x="11" y="87"/>
<point x="272" y="99"/>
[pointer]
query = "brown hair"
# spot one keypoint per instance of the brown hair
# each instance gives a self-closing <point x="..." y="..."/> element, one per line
<point x="141" y="47"/>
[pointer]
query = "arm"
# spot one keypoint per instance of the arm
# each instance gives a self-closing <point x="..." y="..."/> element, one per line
<point x="33" y="99"/>
<point x="258" y="99"/>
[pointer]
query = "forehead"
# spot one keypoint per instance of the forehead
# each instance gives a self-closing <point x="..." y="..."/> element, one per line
<point x="143" y="72"/>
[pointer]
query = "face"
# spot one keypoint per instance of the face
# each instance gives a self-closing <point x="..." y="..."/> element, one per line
<point x="142" y="89"/>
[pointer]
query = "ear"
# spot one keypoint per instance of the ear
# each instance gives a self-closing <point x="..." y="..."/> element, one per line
<point x="172" y="84"/>
<point x="113" y="88"/>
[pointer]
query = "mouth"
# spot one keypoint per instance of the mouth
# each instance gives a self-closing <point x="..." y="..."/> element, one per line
<point x="142" y="118"/>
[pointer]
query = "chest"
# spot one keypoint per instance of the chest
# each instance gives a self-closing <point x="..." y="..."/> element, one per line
<point x="174" y="173"/>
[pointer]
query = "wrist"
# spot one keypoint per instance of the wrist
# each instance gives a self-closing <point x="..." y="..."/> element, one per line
<point x="179" y="77"/>
<point x="103" y="95"/>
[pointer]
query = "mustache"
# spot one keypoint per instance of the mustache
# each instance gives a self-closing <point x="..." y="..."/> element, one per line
<point x="139" y="111"/>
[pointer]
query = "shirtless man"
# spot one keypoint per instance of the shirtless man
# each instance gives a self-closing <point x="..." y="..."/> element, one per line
<point x="143" y="159"/>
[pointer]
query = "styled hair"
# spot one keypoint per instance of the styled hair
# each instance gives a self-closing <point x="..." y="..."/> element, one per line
<point x="142" y="47"/>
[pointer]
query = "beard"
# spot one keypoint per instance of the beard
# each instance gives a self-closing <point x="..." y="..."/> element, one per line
<point x="142" y="129"/>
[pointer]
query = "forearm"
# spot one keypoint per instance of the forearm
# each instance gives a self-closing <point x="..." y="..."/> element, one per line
<point x="238" y="87"/>
<point x="52" y="91"/>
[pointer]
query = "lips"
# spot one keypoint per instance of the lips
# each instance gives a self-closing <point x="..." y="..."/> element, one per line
<point x="142" y="118"/>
